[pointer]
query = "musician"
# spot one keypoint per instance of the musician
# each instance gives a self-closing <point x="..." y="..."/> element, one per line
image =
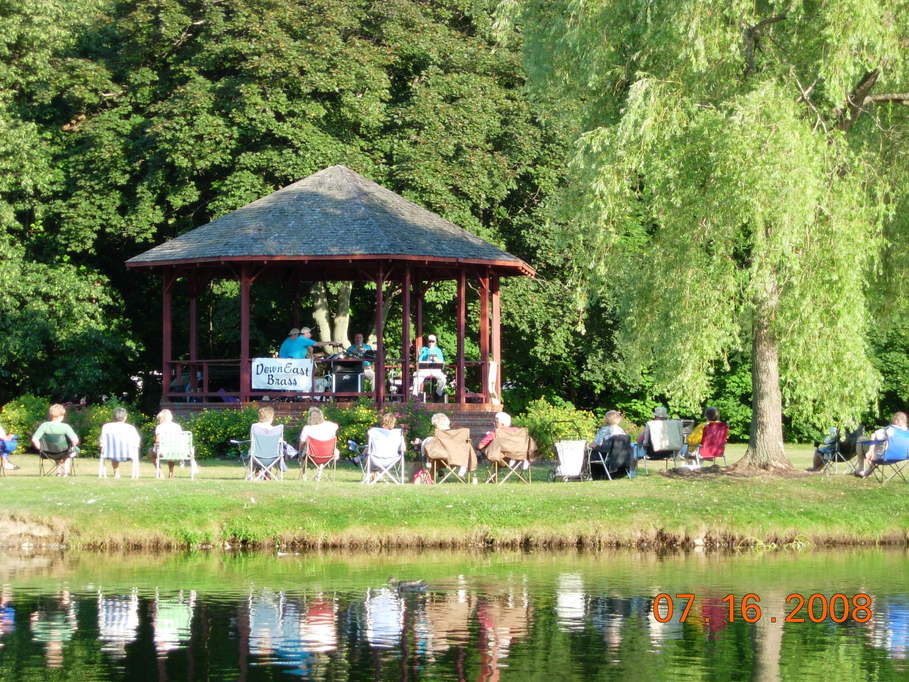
<point x="298" y="343"/>
<point x="359" y="350"/>
<point x="430" y="353"/>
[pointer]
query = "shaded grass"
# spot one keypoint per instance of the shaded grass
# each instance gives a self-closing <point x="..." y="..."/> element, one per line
<point x="220" y="509"/>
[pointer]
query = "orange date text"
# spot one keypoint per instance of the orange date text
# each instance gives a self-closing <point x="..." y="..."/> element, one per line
<point x="814" y="608"/>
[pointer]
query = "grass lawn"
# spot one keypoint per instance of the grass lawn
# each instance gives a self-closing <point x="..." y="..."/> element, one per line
<point x="220" y="508"/>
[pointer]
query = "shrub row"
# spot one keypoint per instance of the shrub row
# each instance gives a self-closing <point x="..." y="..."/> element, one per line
<point x="214" y="429"/>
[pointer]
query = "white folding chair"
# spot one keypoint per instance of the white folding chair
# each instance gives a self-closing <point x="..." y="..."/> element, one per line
<point x="176" y="447"/>
<point x="266" y="453"/>
<point x="385" y="456"/>
<point x="572" y="456"/>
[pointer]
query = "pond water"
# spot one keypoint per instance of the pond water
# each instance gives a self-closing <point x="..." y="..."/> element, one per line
<point x="480" y="616"/>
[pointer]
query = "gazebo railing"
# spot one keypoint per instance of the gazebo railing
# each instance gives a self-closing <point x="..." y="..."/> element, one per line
<point x="218" y="380"/>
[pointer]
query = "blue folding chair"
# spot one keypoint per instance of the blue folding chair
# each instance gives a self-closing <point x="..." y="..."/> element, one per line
<point x="7" y="447"/>
<point x="894" y="457"/>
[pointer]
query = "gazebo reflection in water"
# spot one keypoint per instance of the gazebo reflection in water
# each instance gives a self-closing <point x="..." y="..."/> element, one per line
<point x="333" y="226"/>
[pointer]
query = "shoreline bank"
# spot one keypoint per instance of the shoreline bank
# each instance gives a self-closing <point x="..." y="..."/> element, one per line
<point x="654" y="512"/>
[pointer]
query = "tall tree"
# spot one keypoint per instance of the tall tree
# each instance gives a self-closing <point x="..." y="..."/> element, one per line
<point x="735" y="181"/>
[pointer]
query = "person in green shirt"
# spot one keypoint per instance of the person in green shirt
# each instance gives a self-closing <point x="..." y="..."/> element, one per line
<point x="56" y="428"/>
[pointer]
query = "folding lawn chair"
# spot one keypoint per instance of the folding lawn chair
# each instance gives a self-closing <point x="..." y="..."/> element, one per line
<point x="614" y="457"/>
<point x="176" y="447"/>
<point x="266" y="453"/>
<point x="358" y="458"/>
<point x="895" y="456"/>
<point x="572" y="455"/>
<point x="55" y="450"/>
<point x="320" y="454"/>
<point x="713" y="443"/>
<point x="664" y="442"/>
<point x="7" y="447"/>
<point x="511" y="450"/>
<point x="385" y="455"/>
<point x="834" y="451"/>
<point x="450" y="450"/>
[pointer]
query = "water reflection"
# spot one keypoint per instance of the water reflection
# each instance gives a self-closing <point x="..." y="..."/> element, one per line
<point x="53" y="624"/>
<point x="172" y="618"/>
<point x="118" y="621"/>
<point x="481" y="618"/>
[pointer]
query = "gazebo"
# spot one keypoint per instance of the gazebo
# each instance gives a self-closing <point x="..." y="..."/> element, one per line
<point x="334" y="225"/>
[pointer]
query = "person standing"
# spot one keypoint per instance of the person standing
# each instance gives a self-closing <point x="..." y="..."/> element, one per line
<point x="298" y="343"/>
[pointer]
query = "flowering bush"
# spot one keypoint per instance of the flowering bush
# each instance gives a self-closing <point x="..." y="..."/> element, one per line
<point x="549" y="422"/>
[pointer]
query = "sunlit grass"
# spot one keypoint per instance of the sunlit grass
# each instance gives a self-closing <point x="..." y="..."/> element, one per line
<point x="220" y="508"/>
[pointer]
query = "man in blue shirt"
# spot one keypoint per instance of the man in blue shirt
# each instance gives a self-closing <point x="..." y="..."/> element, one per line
<point x="430" y="353"/>
<point x="298" y="343"/>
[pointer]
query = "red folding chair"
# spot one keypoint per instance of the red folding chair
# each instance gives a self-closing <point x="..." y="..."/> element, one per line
<point x="320" y="454"/>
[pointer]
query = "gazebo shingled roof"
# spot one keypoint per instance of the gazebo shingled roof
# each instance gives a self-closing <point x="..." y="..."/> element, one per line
<point x="302" y="222"/>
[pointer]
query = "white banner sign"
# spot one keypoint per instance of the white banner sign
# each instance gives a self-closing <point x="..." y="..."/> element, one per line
<point x="282" y="374"/>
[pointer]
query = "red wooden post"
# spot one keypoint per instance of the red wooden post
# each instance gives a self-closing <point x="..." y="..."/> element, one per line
<point x="193" y="330"/>
<point x="484" y="335"/>
<point x="418" y="291"/>
<point x="462" y="314"/>
<point x="497" y="335"/>
<point x="380" y="341"/>
<point x="166" y="333"/>
<point x="405" y="333"/>
<point x="245" y="379"/>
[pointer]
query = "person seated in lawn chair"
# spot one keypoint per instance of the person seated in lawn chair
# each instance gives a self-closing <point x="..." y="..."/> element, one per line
<point x="8" y="442"/>
<point x="832" y="449"/>
<point x="881" y="439"/>
<point x="165" y="427"/>
<point x="607" y="456"/>
<point x="119" y="442"/>
<point x="56" y="441"/>
<point x="708" y="439"/>
<point x="450" y="448"/>
<point x="508" y="445"/>
<point x="317" y="443"/>
<point x="662" y="436"/>
<point x="385" y="452"/>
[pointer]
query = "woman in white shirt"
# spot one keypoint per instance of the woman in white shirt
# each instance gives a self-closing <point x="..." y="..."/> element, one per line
<point x="317" y="428"/>
<point x="166" y="426"/>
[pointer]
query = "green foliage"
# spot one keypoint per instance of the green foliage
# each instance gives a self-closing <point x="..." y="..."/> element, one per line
<point x="125" y="124"/>
<point x="549" y="422"/>
<point x="353" y="422"/>
<point x="214" y="429"/>
<point x="725" y="178"/>
<point x="23" y="415"/>
<point x="731" y="395"/>
<point x="62" y="332"/>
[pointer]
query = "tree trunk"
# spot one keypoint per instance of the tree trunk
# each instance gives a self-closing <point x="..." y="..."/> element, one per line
<point x="342" y="315"/>
<point x="765" y="445"/>
<point x="386" y="307"/>
<point x="320" y="310"/>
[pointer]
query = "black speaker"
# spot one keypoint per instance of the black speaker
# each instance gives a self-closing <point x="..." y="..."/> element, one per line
<point x="346" y="383"/>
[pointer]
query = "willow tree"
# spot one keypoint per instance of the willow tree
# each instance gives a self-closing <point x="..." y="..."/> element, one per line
<point x="735" y="179"/>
